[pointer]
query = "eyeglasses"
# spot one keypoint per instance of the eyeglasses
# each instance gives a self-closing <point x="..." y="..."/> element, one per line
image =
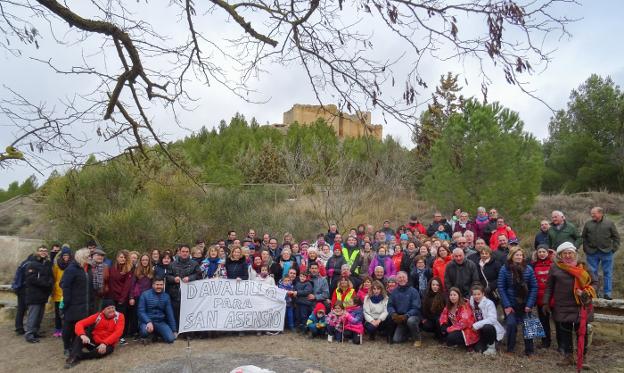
<point x="461" y="243"/>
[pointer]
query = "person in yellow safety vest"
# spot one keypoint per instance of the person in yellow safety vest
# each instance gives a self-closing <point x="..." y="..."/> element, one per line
<point x="344" y="293"/>
<point x="351" y="253"/>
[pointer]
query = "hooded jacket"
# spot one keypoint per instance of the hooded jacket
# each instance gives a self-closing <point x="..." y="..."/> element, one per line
<point x="39" y="280"/>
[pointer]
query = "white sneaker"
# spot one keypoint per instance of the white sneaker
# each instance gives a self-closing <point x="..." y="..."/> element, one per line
<point x="491" y="350"/>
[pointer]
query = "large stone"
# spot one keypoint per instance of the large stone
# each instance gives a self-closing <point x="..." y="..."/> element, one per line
<point x="7" y="313"/>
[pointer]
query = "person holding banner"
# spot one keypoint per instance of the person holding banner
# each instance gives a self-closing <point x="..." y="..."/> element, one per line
<point x="182" y="270"/>
<point x="156" y="313"/>
<point x="236" y="265"/>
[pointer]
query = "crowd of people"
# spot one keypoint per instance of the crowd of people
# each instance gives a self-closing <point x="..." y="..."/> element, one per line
<point x="449" y="279"/>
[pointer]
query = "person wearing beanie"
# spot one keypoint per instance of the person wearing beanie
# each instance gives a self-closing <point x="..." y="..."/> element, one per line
<point x="62" y="261"/>
<point x="98" y="334"/>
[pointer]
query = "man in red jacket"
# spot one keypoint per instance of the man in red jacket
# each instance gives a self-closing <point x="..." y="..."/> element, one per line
<point x="104" y="330"/>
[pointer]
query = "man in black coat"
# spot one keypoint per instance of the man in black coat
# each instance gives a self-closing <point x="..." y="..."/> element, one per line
<point x="461" y="273"/>
<point x="39" y="282"/>
<point x="182" y="270"/>
<point x="437" y="221"/>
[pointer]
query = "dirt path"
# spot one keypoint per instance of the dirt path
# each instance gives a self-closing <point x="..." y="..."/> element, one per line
<point x="290" y="353"/>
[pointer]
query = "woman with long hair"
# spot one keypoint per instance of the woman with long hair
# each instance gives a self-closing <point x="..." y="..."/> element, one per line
<point x="236" y="265"/>
<point x="344" y="292"/>
<point x="119" y="285"/>
<point x="439" y="265"/>
<point x="456" y="321"/>
<point x="141" y="281"/>
<point x="517" y="287"/>
<point x="60" y="264"/>
<point x="213" y="266"/>
<point x="375" y="309"/>
<point x="432" y="305"/>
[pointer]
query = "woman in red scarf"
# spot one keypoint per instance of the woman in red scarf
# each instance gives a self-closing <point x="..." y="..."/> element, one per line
<point x="573" y="288"/>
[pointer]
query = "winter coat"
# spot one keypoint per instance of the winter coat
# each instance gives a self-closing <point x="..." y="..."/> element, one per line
<point x="490" y="317"/>
<point x="397" y="259"/>
<point x="304" y="289"/>
<point x="375" y="311"/>
<point x="439" y="267"/>
<point x="334" y="264"/>
<point x="365" y="259"/>
<point x="212" y="267"/>
<point x="106" y="331"/>
<point x="386" y="263"/>
<point x="78" y="292"/>
<point x="461" y="276"/>
<point x="464" y="318"/>
<point x="560" y="287"/>
<point x="507" y="290"/>
<point x="156" y="307"/>
<point x="541" y="238"/>
<point x="237" y="269"/>
<point x="602" y="235"/>
<point x="305" y="264"/>
<point x="181" y="268"/>
<point x="469" y="226"/>
<point x="320" y="288"/>
<point x="541" y="268"/>
<point x="38" y="280"/>
<point x="352" y="258"/>
<point x="161" y="271"/>
<point x="480" y="227"/>
<point x="119" y="285"/>
<point x="488" y="275"/>
<point x="288" y="287"/>
<point x="415" y="280"/>
<point x="433" y="228"/>
<point x="443" y="236"/>
<point x="404" y="300"/>
<point x="345" y="296"/>
<point x="355" y="320"/>
<point x="57" y="273"/>
<point x="490" y="227"/>
<point x="338" y="322"/>
<point x="501" y="231"/>
<point x="567" y="233"/>
<point x="416" y="228"/>
<point x="407" y="262"/>
<point x="139" y="285"/>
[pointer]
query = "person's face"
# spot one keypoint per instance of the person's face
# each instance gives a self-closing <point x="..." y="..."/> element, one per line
<point x="295" y="248"/>
<point x="398" y="249"/>
<point x="66" y="257"/>
<point x="42" y="252"/>
<point x="502" y="241"/>
<point x="338" y="238"/>
<point x="477" y="295"/>
<point x="314" y="270"/>
<point x="379" y="272"/>
<point x="453" y="297"/>
<point x="544" y="225"/>
<point x="440" y="228"/>
<point x="213" y="253"/>
<point x="338" y="310"/>
<point x="166" y="260"/>
<point x="266" y="238"/>
<point x="517" y="257"/>
<point x="463" y="217"/>
<point x="91" y="248"/>
<point x="485" y="256"/>
<point x="367" y="246"/>
<point x="145" y="261"/>
<point x="469" y="236"/>
<point x="265" y="256"/>
<point x="376" y="291"/>
<point x="556" y="219"/>
<point x="568" y="255"/>
<point x="542" y="254"/>
<point x="382" y="251"/>
<point x="480" y="244"/>
<point x="312" y="254"/>
<point x="257" y="261"/>
<point x="109" y="312"/>
<point x="420" y="264"/>
<point x="232" y="236"/>
<point x="481" y="213"/>
<point x="273" y="244"/>
<point x="337" y="251"/>
<point x="411" y="247"/>
<point x="423" y="250"/>
<point x="155" y="256"/>
<point x="251" y="234"/>
<point x="402" y="279"/>
<point x="386" y="224"/>
<point x="222" y="252"/>
<point x="345" y="272"/>
<point x="351" y="241"/>
<point x="443" y="252"/>
<point x="158" y="286"/>
<point x="121" y="259"/>
<point x="352" y="232"/>
<point x="437" y="218"/>
<point x="292" y="274"/>
<point x="264" y="271"/>
<point x="184" y="253"/>
<point x="458" y="256"/>
<point x="435" y="286"/>
<point x="461" y="242"/>
<point x="333" y="228"/>
<point x="500" y="223"/>
<point x="221" y="244"/>
<point x="493" y="214"/>
<point x="201" y="245"/>
<point x="303" y="277"/>
<point x="596" y="215"/>
<point x="236" y="254"/>
<point x="344" y="284"/>
<point x="367" y="284"/>
<point x="286" y="254"/>
<point x="326" y="250"/>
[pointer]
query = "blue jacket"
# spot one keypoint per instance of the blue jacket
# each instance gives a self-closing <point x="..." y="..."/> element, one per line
<point x="540" y="238"/>
<point x="404" y="300"/>
<point x="304" y="289"/>
<point x="154" y="307"/>
<point x="507" y="290"/>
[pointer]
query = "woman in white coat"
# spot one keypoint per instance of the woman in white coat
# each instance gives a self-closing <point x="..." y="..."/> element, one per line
<point x="486" y="321"/>
<point x="375" y="309"/>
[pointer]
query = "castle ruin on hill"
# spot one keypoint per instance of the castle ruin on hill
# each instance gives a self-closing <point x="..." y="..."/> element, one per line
<point x="345" y="125"/>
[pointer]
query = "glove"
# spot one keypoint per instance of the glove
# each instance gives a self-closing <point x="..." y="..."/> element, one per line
<point x="403" y="319"/>
<point x="395" y="317"/>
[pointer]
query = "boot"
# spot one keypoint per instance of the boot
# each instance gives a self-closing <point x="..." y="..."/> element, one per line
<point x="490" y="350"/>
<point x="568" y="360"/>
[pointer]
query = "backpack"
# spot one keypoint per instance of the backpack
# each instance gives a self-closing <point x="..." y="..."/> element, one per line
<point x="20" y="276"/>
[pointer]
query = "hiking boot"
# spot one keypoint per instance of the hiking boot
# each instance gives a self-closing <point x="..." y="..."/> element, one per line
<point x="66" y="353"/>
<point x="418" y="343"/>
<point x="607" y="297"/>
<point x="20" y="332"/>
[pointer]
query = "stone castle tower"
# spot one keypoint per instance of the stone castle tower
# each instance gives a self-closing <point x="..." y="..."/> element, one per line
<point x="345" y="125"/>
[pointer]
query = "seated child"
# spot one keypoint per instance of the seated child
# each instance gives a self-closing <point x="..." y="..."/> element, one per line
<point x="336" y="321"/>
<point x="354" y="328"/>
<point x="317" y="323"/>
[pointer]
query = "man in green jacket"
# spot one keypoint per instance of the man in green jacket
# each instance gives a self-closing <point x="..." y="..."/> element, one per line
<point x="600" y="242"/>
<point x="561" y="231"/>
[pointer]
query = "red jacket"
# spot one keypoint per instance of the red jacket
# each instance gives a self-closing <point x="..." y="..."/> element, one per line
<point x="510" y="234"/>
<point x="304" y="267"/>
<point x="416" y="227"/>
<point x="439" y="267"/>
<point x="541" y="268"/>
<point x="464" y="318"/>
<point x="107" y="331"/>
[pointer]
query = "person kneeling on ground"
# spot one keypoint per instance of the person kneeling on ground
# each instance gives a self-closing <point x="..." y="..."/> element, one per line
<point x="486" y="322"/>
<point x="105" y="329"/>
<point x="317" y="323"/>
<point x="156" y="313"/>
<point x="456" y="321"/>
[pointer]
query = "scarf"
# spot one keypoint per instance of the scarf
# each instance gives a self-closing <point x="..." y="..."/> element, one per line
<point x="582" y="279"/>
<point x="478" y="314"/>
<point x="376" y="298"/>
<point x="209" y="266"/>
<point x="63" y="264"/>
<point x="422" y="281"/>
<point x="482" y="219"/>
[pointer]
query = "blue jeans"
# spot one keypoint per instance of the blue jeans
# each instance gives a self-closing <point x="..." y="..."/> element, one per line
<point x="594" y="260"/>
<point x="303" y="312"/>
<point x="290" y="317"/>
<point x="511" y="328"/>
<point x="160" y="328"/>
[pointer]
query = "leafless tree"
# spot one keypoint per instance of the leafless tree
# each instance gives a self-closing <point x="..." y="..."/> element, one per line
<point x="142" y="61"/>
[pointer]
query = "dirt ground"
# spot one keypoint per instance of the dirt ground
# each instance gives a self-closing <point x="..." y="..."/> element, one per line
<point x="290" y="353"/>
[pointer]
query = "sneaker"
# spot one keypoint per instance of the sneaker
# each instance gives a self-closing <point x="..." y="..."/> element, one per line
<point x="57" y="333"/>
<point x="490" y="350"/>
<point x="32" y="340"/>
<point x="418" y="343"/>
<point x="122" y="342"/>
<point x="590" y="334"/>
<point x="607" y="297"/>
<point x="20" y="331"/>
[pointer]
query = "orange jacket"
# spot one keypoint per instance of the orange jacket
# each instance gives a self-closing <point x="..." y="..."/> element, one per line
<point x="439" y="267"/>
<point x="107" y="331"/>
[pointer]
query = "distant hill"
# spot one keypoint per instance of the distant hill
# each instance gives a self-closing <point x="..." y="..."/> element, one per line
<point x="24" y="216"/>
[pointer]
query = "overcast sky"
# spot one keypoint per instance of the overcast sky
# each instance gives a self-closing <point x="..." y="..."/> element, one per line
<point x="593" y="48"/>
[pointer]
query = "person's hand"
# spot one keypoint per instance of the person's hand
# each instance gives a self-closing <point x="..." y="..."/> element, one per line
<point x="546" y="309"/>
<point x="310" y="296"/>
<point x="175" y="335"/>
<point x="508" y="310"/>
<point x="185" y="279"/>
<point x="149" y="327"/>
<point x="395" y="317"/>
<point x="376" y="322"/>
<point x="508" y="229"/>
<point x="579" y="292"/>
<point x="131" y="302"/>
<point x="294" y="293"/>
<point x="101" y="349"/>
<point x="85" y="339"/>
<point x="177" y="280"/>
<point x="527" y="309"/>
<point x="238" y="279"/>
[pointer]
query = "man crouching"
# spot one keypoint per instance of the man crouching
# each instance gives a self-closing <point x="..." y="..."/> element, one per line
<point x="98" y="334"/>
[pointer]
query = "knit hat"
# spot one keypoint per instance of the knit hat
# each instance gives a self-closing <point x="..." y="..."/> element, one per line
<point x="66" y="250"/>
<point x="566" y="246"/>
<point x="404" y="237"/>
<point x="107" y="303"/>
<point x="319" y="308"/>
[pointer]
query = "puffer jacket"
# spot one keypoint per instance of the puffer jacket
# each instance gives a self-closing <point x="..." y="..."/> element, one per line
<point x="507" y="290"/>
<point x="39" y="281"/>
<point x="404" y="300"/>
<point x="464" y="318"/>
<point x="375" y="311"/>
<point x="501" y="231"/>
<point x="156" y="307"/>
<point x="560" y="287"/>
<point x="78" y="292"/>
<point x="439" y="267"/>
<point x="355" y="320"/>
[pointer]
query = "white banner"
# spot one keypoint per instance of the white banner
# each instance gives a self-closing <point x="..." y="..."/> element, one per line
<point x="231" y="305"/>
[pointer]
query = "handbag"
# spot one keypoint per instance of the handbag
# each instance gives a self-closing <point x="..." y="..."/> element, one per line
<point x="532" y="327"/>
